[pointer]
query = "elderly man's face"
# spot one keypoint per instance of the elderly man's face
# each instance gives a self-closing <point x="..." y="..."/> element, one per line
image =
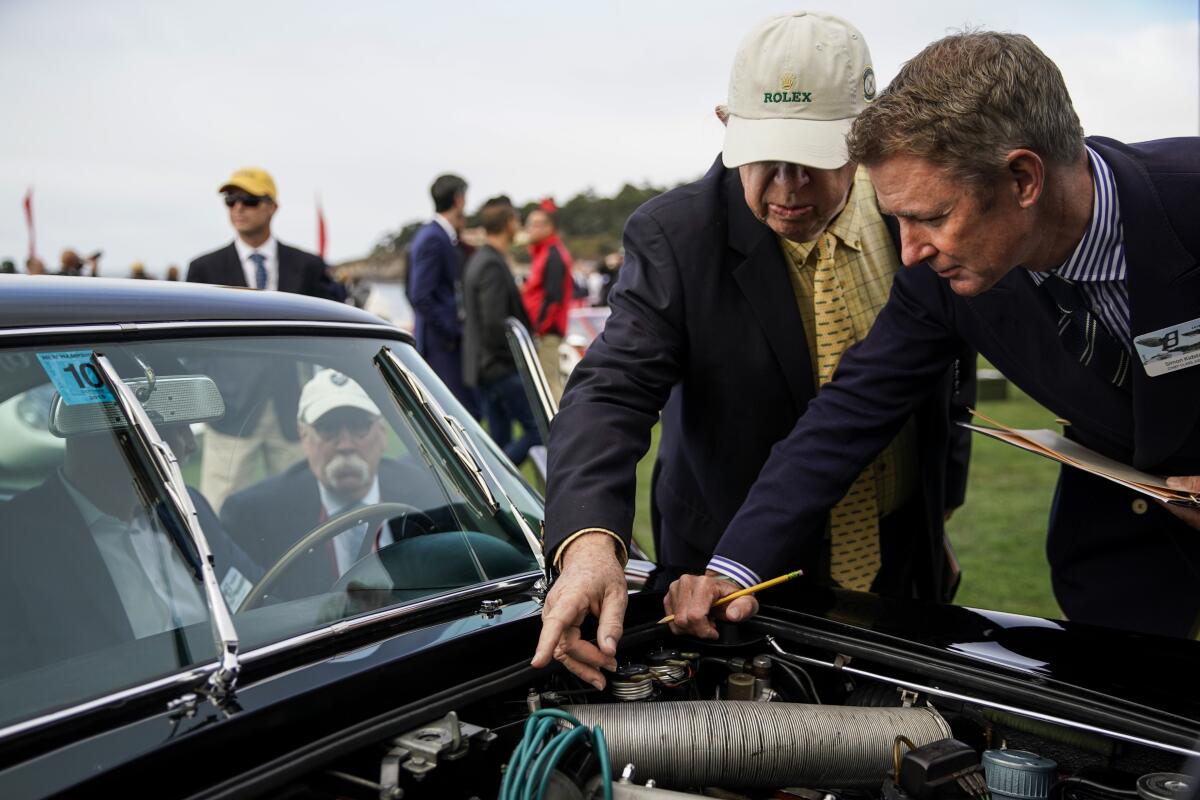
<point x="968" y="236"/>
<point x="343" y="448"/>
<point x="795" y="201"/>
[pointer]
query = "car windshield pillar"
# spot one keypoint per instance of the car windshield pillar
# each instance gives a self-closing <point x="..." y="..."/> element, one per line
<point x="409" y="393"/>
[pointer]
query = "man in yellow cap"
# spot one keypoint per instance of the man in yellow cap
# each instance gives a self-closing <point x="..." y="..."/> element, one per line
<point x="260" y="417"/>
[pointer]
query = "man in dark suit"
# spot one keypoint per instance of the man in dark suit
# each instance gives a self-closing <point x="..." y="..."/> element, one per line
<point x="490" y="296"/>
<point x="343" y="437"/>
<point x="76" y="576"/>
<point x="715" y="322"/>
<point x="1053" y="255"/>
<point x="435" y="287"/>
<point x="259" y="423"/>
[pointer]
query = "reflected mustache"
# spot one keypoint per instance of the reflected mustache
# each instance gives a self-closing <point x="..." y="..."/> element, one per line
<point x="347" y="462"/>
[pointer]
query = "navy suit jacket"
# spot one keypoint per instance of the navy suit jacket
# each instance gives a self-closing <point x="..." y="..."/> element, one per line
<point x="59" y="598"/>
<point x="1114" y="560"/>
<point x="268" y="518"/>
<point x="705" y="328"/>
<point x="434" y="273"/>
<point x="299" y="272"/>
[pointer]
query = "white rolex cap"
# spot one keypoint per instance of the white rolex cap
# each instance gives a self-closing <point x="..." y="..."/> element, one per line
<point x="797" y="84"/>
<point x="330" y="389"/>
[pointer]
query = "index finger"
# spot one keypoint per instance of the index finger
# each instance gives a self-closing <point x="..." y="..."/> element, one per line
<point x="553" y="628"/>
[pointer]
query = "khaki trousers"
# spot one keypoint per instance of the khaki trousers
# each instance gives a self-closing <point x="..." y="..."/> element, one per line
<point x="547" y="347"/>
<point x="232" y="463"/>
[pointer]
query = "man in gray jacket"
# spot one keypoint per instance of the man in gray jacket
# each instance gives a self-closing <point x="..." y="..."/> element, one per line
<point x="490" y="296"/>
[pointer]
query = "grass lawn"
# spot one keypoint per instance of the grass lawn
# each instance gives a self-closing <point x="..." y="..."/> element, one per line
<point x="999" y="534"/>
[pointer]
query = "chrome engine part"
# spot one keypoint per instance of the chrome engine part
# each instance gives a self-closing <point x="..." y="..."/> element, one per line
<point x="759" y="744"/>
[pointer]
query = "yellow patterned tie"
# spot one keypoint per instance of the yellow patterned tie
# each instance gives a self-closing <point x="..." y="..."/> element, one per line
<point x="854" y="521"/>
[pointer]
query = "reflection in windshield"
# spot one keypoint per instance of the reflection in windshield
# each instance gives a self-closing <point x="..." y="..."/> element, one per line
<point x="98" y="591"/>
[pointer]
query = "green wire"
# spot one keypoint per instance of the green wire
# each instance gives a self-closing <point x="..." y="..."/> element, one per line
<point x="543" y="768"/>
<point x="600" y="745"/>
<point x="541" y="748"/>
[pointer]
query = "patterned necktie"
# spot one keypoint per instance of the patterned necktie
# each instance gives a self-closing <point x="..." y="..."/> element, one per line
<point x="854" y="521"/>
<point x="260" y="270"/>
<point x="1084" y="335"/>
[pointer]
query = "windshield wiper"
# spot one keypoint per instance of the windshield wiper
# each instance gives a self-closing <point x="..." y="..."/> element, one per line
<point x="409" y="392"/>
<point x="167" y="477"/>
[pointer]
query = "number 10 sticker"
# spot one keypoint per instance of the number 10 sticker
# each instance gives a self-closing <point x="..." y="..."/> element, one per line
<point x="75" y="377"/>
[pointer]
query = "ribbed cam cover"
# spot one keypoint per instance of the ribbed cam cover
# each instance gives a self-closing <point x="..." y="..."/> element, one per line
<point x="753" y="744"/>
<point x="1019" y="774"/>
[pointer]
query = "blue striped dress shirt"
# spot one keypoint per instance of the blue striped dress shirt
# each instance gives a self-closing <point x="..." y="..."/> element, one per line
<point x="1097" y="267"/>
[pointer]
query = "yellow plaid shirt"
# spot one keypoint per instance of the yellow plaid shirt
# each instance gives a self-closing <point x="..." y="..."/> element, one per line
<point x="866" y="262"/>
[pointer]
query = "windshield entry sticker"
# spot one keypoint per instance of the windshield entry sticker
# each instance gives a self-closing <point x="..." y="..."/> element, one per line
<point x="75" y="377"/>
<point x="235" y="587"/>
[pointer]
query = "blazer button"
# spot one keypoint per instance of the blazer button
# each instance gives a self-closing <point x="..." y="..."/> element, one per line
<point x="1139" y="506"/>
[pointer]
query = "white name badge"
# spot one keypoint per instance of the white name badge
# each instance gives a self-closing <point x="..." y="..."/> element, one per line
<point x="1170" y="349"/>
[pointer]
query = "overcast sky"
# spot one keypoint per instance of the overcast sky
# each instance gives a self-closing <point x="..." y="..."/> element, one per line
<point x="125" y="117"/>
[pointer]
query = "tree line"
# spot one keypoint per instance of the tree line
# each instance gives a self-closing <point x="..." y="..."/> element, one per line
<point x="590" y="224"/>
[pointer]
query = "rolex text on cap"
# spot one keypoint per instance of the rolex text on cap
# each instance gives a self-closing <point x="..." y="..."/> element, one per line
<point x="798" y="81"/>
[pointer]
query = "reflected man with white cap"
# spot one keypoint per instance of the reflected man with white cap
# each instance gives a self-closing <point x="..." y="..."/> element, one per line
<point x="738" y="296"/>
<point x="344" y="437"/>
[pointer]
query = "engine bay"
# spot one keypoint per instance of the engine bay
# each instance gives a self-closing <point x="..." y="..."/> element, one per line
<point x="764" y="718"/>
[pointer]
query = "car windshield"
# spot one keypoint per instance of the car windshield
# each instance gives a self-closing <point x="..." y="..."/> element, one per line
<point x="320" y="496"/>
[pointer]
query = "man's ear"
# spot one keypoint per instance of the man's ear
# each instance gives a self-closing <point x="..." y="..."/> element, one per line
<point x="722" y="112"/>
<point x="1026" y="176"/>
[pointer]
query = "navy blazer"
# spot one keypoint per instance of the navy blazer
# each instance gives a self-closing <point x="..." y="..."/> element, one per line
<point x="58" y="596"/>
<point x="299" y="272"/>
<point x="705" y="328"/>
<point x="434" y="272"/>
<point x="1115" y="560"/>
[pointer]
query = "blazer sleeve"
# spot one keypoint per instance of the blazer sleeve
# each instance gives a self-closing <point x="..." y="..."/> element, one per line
<point x="432" y="268"/>
<point x="877" y="385"/>
<point x="615" y="394"/>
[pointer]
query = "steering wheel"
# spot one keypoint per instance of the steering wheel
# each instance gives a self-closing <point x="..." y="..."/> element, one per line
<point x="377" y="513"/>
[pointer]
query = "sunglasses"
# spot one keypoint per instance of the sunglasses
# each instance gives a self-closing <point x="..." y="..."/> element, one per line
<point x="330" y="431"/>
<point x="248" y="200"/>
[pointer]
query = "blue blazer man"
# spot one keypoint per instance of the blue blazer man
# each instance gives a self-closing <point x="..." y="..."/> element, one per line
<point x="434" y="287"/>
<point x="1115" y="559"/>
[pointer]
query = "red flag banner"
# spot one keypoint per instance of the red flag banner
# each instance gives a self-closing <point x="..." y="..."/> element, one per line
<point x="29" y="221"/>
<point x="321" y="239"/>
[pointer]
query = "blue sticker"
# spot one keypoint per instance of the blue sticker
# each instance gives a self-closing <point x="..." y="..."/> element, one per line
<point x="75" y="377"/>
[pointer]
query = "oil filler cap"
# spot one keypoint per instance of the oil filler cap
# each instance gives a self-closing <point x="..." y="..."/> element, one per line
<point x="1018" y="774"/>
<point x="1165" y="786"/>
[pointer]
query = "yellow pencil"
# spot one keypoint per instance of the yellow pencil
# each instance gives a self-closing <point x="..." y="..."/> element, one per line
<point x="758" y="587"/>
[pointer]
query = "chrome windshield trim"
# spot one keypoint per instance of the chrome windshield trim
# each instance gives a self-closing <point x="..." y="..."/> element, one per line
<point x="197" y="674"/>
<point x="220" y="324"/>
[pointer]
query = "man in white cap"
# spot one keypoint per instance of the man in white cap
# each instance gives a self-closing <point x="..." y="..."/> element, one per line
<point x="343" y="437"/>
<point x="738" y="296"/>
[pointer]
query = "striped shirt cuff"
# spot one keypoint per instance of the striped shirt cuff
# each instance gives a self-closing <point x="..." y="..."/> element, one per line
<point x="741" y="575"/>
<point x="622" y="551"/>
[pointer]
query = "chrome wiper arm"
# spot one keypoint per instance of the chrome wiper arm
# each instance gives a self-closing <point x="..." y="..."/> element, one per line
<point x="407" y="389"/>
<point x="150" y="445"/>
